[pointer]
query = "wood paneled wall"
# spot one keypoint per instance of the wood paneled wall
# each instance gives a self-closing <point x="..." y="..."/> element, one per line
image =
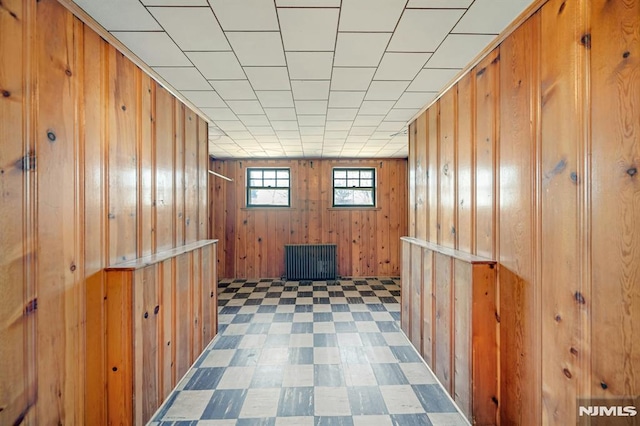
<point x="539" y="146"/>
<point x="251" y="241"/>
<point x="94" y="158"/>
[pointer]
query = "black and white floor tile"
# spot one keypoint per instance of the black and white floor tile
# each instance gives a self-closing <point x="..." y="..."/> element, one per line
<point x="309" y="353"/>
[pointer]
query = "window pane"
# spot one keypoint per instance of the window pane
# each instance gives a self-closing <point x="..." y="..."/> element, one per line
<point x="255" y="174"/>
<point x="269" y="197"/>
<point x="339" y="174"/>
<point x="366" y="174"/>
<point x="353" y="197"/>
<point x="282" y="183"/>
<point x="269" y="174"/>
<point x="353" y="173"/>
<point x="283" y="174"/>
<point x="353" y="182"/>
<point x="340" y="183"/>
<point x="269" y="182"/>
<point x="255" y="182"/>
<point x="366" y="183"/>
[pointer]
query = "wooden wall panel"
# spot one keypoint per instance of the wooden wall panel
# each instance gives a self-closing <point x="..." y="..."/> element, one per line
<point x="615" y="148"/>
<point x="433" y="120"/>
<point x="203" y="181"/>
<point x="428" y="307"/>
<point x="164" y="196"/>
<point x="411" y="170"/>
<point x="146" y="225"/>
<point x="254" y="238"/>
<point x="442" y="288"/>
<point x="447" y="171"/>
<point x="416" y="298"/>
<point x="486" y="74"/>
<point x="520" y="344"/>
<point x="465" y="164"/>
<point x="421" y="180"/>
<point x="191" y="177"/>
<point x="462" y="340"/>
<point x="179" y="174"/>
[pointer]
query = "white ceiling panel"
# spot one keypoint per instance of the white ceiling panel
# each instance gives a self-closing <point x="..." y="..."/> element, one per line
<point x="230" y="125"/>
<point x="309" y="65"/>
<point x="386" y="90"/>
<point x="204" y="98"/>
<point x="238" y="90"/>
<point x="308" y="3"/>
<point x="267" y="139"/>
<point x="275" y="98"/>
<point x="284" y="125"/>
<point x="370" y="15"/>
<point x="336" y="134"/>
<point x="154" y="48"/>
<point x="401" y="66"/>
<point x="288" y="134"/>
<point x="402" y="114"/>
<point x="338" y="125"/>
<point x="202" y="32"/>
<point x="246" y="15"/>
<point x="217" y="65"/>
<point x="219" y="113"/>
<point x="346" y="99"/>
<point x="337" y="114"/>
<point x="490" y="16"/>
<point x="257" y="48"/>
<point x="415" y="99"/>
<point x="311" y="138"/>
<point x="311" y="90"/>
<point x="183" y="78"/>
<point x="362" y="131"/>
<point x="311" y="107"/>
<point x="120" y="15"/>
<point x="254" y="120"/>
<point x="432" y="80"/>
<point x="312" y="120"/>
<point x="280" y="113"/>
<point x="423" y="30"/>
<point x="351" y="78"/>
<point x="311" y="130"/>
<point x="368" y="120"/>
<point x="175" y="2"/>
<point x="376" y="107"/>
<point x="392" y="126"/>
<point x="261" y="130"/>
<point x="439" y="4"/>
<point x="268" y="78"/>
<point x="360" y="49"/>
<point x="308" y="29"/>
<point x="458" y="50"/>
<point x="245" y="107"/>
<point x="238" y="134"/>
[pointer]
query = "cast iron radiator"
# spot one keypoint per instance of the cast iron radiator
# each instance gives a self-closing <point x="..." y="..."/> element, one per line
<point x="310" y="262"/>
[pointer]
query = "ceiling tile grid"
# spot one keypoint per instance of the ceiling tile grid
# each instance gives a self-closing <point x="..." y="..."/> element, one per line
<point x="306" y="78"/>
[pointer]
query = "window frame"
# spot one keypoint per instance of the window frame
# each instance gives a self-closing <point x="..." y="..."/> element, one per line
<point x="249" y="187"/>
<point x="373" y="189"/>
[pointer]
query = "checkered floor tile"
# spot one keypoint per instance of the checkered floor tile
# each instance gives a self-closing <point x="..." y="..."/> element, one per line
<point x="309" y="353"/>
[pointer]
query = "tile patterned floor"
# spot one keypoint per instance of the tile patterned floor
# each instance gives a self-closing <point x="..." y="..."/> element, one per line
<point x="309" y="353"/>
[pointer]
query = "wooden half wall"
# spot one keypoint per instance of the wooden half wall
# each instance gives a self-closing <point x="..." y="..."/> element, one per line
<point x="532" y="159"/>
<point x="251" y="240"/>
<point x="98" y="165"/>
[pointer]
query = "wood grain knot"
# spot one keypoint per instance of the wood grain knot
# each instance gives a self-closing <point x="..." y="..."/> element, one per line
<point x="146" y="315"/>
<point x="156" y="310"/>
<point x="574" y="177"/>
<point x="497" y="317"/>
<point x="579" y="298"/>
<point x="632" y="171"/>
<point x="567" y="373"/>
<point x="604" y="386"/>
<point x="72" y="268"/>
<point x="573" y="351"/>
<point x="68" y="72"/>
<point x="558" y="318"/>
<point x="124" y="107"/>
<point x="626" y="54"/>
<point x="51" y="136"/>
<point x="6" y="93"/>
<point x="585" y="40"/>
<point x="495" y="60"/>
<point x="114" y="369"/>
<point x="562" y="6"/>
<point x="31" y="307"/>
<point x="494" y="400"/>
<point x="480" y="72"/>
<point x="453" y="230"/>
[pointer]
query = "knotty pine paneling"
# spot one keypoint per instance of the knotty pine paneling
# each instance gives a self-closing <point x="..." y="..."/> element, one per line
<point x="91" y="194"/>
<point x="546" y="178"/>
<point x="446" y="170"/>
<point x="251" y="241"/>
<point x="421" y="180"/>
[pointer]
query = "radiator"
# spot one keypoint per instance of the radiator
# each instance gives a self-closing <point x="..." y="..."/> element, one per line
<point x="310" y="262"/>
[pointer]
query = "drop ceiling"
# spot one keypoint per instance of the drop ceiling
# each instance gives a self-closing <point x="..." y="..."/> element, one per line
<point x="306" y="78"/>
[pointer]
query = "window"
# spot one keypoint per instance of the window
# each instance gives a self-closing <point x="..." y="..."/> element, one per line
<point x="268" y="187"/>
<point x="354" y="187"/>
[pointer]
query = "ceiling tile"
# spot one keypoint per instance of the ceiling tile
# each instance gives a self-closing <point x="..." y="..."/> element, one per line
<point x="341" y="113"/>
<point x="268" y="78"/>
<point x="230" y="125"/>
<point x="370" y="15"/>
<point x="311" y="138"/>
<point x="254" y="120"/>
<point x="175" y="2"/>
<point x="257" y="48"/>
<point x="219" y="113"/>
<point x="280" y="113"/>
<point x="490" y="16"/>
<point x="356" y="139"/>
<point x="120" y="15"/>
<point x="267" y="139"/>
<point x="246" y="15"/>
<point x="217" y="65"/>
<point x="311" y="107"/>
<point x="415" y="99"/>
<point x="399" y="114"/>
<point x="351" y="78"/>
<point x="284" y="125"/>
<point x="238" y="134"/>
<point x="202" y="33"/>
<point x="234" y="89"/>
<point x="275" y="98"/>
<point x="308" y="3"/>
<point x="310" y="89"/>
<point x="386" y="90"/>
<point x="154" y="48"/>
<point x="375" y="107"/>
<point x="432" y="80"/>
<point x="183" y="78"/>
<point x="458" y="50"/>
<point x="336" y="134"/>
<point x="392" y="126"/>
<point x="311" y="130"/>
<point x="362" y="131"/>
<point x="423" y="30"/>
<point x="439" y="4"/>
<point x="310" y="65"/>
<point x="381" y="137"/>
<point x="338" y="125"/>
<point x="360" y="49"/>
<point x="368" y="120"/>
<point x="204" y="98"/>
<point x="400" y="66"/>
<point x="308" y="29"/>
<point x="261" y="130"/>
<point x="312" y="120"/>
<point x="335" y="141"/>
<point x="245" y="107"/>
<point x="288" y="134"/>
<point x="346" y="99"/>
